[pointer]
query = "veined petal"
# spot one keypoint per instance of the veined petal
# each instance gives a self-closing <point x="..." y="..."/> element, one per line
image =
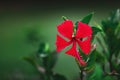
<point x="73" y="52"/>
<point x="61" y="43"/>
<point x="83" y="30"/>
<point x="66" y="29"/>
<point x="85" y="45"/>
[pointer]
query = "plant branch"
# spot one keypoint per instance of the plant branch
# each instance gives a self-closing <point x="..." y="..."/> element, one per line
<point x="81" y="70"/>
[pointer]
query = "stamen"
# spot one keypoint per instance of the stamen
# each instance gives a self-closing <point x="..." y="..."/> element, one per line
<point x="73" y="35"/>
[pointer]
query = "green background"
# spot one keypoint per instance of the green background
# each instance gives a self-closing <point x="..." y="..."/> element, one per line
<point x="17" y="21"/>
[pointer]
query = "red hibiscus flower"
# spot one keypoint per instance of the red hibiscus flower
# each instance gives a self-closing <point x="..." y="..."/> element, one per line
<point x="68" y="36"/>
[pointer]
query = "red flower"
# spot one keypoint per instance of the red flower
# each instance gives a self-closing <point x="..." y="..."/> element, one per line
<point x="82" y="37"/>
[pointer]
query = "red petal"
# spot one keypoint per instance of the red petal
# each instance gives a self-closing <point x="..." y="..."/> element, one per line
<point x="66" y="29"/>
<point x="61" y="43"/>
<point x="73" y="52"/>
<point x="83" y="30"/>
<point x="83" y="63"/>
<point x="85" y="45"/>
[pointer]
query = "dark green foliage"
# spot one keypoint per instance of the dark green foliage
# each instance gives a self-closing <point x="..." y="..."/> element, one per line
<point x="58" y="77"/>
<point x="103" y="65"/>
<point x="44" y="61"/>
<point x="111" y="29"/>
<point x="87" y="18"/>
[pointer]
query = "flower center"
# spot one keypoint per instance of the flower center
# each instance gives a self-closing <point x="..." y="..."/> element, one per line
<point x="73" y="38"/>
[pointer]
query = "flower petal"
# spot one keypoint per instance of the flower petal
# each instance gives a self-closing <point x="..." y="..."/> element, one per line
<point x="83" y="63"/>
<point x="73" y="52"/>
<point x="66" y="29"/>
<point x="83" y="30"/>
<point x="61" y="43"/>
<point x="85" y="45"/>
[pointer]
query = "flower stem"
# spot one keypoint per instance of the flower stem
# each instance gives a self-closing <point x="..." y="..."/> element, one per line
<point x="81" y="70"/>
<point x="81" y="75"/>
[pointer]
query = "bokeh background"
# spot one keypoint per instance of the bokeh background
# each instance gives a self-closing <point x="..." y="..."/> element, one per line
<point x="22" y="19"/>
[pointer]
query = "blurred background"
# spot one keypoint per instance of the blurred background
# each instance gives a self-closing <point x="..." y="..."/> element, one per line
<point x="25" y="24"/>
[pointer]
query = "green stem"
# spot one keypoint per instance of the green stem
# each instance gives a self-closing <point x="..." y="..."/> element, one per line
<point x="110" y="63"/>
<point x="81" y="75"/>
<point x="81" y="70"/>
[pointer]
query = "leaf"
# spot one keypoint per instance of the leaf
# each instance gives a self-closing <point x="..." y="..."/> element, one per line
<point x="64" y="18"/>
<point x="87" y="18"/>
<point x="91" y="61"/>
<point x="30" y="60"/>
<point x="50" y="60"/>
<point x="43" y="47"/>
<point x="115" y="16"/>
<point x="112" y="22"/>
<point x="100" y="58"/>
<point x="43" y="50"/>
<point x="95" y="30"/>
<point x="59" y="77"/>
<point x="118" y="68"/>
<point x="108" y="78"/>
<point x="53" y="59"/>
<point x="96" y="74"/>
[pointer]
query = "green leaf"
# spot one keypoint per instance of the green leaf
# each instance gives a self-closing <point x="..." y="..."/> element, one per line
<point x="112" y="22"/>
<point x="100" y="58"/>
<point x="95" y="30"/>
<point x="108" y="78"/>
<point x="43" y="50"/>
<point x="118" y="69"/>
<point x="43" y="47"/>
<point x="96" y="74"/>
<point x="30" y="60"/>
<point x="52" y="59"/>
<point x="91" y="61"/>
<point x="64" y="18"/>
<point x="87" y="18"/>
<point x="59" y="77"/>
<point x="115" y="16"/>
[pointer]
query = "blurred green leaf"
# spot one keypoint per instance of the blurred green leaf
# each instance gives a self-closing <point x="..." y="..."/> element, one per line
<point x="115" y="64"/>
<point x="30" y="60"/>
<point x="91" y="61"/>
<point x="64" y="18"/>
<point x="87" y="18"/>
<point x="115" y="16"/>
<point x="53" y="59"/>
<point x="112" y="22"/>
<point x="49" y="60"/>
<point x="96" y="74"/>
<point x="109" y="27"/>
<point x="108" y="78"/>
<point x="59" y="77"/>
<point x="117" y="32"/>
<point x="43" y="47"/>
<point x="118" y="68"/>
<point x="100" y="58"/>
<point x="96" y="30"/>
<point x="43" y="50"/>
